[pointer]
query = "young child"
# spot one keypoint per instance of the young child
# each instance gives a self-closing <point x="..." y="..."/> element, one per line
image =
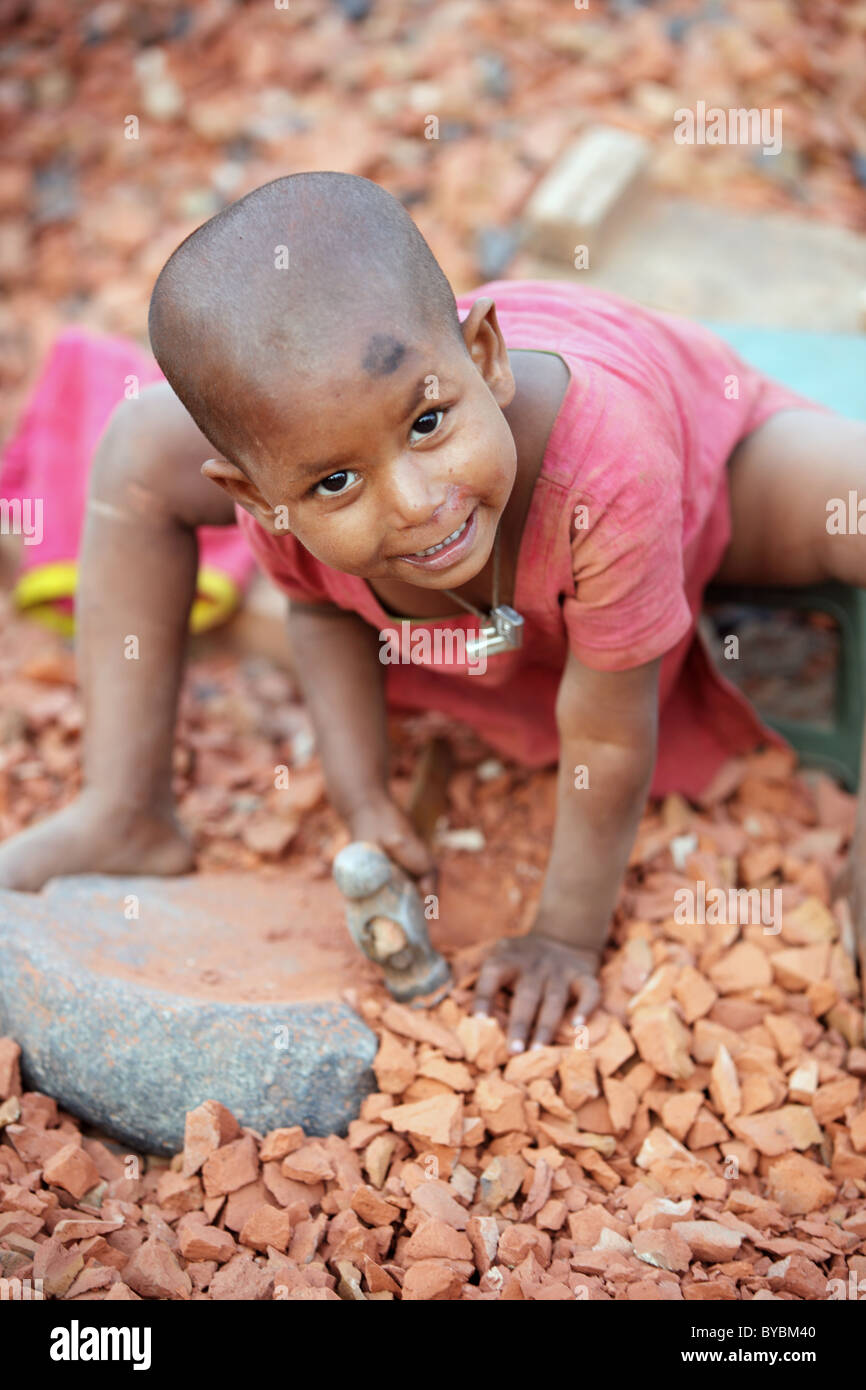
<point x="374" y="443"/>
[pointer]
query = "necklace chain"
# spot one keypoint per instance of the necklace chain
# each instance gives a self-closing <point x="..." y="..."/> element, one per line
<point x="471" y="606"/>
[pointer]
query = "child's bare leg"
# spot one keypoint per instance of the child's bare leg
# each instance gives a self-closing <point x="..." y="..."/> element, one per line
<point x="137" y="581"/>
<point x="782" y="478"/>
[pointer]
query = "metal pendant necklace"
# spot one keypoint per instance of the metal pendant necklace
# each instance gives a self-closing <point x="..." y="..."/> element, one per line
<point x="501" y="628"/>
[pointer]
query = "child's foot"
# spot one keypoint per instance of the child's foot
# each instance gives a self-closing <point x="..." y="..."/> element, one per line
<point x="89" y="838"/>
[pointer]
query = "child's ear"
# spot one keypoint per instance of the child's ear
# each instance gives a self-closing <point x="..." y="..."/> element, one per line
<point x="242" y="491"/>
<point x="486" y="346"/>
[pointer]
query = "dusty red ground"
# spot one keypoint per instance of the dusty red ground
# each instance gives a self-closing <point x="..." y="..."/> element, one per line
<point x="229" y="95"/>
<point x="705" y="1140"/>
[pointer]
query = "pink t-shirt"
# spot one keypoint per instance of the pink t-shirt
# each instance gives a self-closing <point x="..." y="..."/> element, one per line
<point x="628" y="521"/>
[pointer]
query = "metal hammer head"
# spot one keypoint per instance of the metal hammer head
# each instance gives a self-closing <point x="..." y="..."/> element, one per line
<point x="385" y="917"/>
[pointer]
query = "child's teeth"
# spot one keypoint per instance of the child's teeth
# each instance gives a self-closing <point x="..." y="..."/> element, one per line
<point x="447" y="541"/>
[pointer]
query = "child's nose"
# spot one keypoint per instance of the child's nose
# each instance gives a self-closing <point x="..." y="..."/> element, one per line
<point x="414" y="493"/>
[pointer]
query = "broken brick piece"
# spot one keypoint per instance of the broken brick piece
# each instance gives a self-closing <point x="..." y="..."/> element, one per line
<point x="56" y="1265"/>
<point x="483" y="1233"/>
<point x="694" y="993"/>
<point x="483" y="1042"/>
<point x="808" y="923"/>
<point x="552" y="1215"/>
<point x="745" y="966"/>
<point x="663" y="1040"/>
<point x="663" y="1249"/>
<point x="436" y="1240"/>
<point x="774" y="1132"/>
<point x="73" y="1229"/>
<point x="621" y="1102"/>
<point x="422" y="1027"/>
<point x="585" y="1227"/>
<point x="614" y="1048"/>
<point x="798" y="1275"/>
<point x="785" y="1034"/>
<point x="439" y="1119"/>
<point x="501" y="1179"/>
<point x="455" y="1075"/>
<point x="725" y="1085"/>
<point x="154" y="1272"/>
<point x="431" y="1281"/>
<point x="231" y="1166"/>
<point x="660" y="1213"/>
<point x="177" y="1194"/>
<point x="242" y="1279"/>
<point x="832" y="1100"/>
<point x="857" y="1131"/>
<point x="72" y="1169"/>
<point x="394" y="1064"/>
<point x="709" y="1240"/>
<point x="578" y="1080"/>
<point x="847" y="1020"/>
<point x="761" y="1091"/>
<point x="538" y="1064"/>
<point x="435" y="1198"/>
<point x="799" y="1185"/>
<point x="266" y="1226"/>
<point x="240" y="1204"/>
<point x="803" y="1082"/>
<point x="801" y="966"/>
<point x="377" y="1157"/>
<point x="280" y="1142"/>
<point x="309" y="1164"/>
<point x="202" y="1242"/>
<point x="680" y="1111"/>
<point x="207" y="1128"/>
<point x="10" y="1068"/>
<point x="518" y="1240"/>
<point x="372" y="1207"/>
<point x="500" y="1104"/>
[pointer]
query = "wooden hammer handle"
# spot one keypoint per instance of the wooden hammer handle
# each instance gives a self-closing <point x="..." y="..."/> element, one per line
<point x="428" y="798"/>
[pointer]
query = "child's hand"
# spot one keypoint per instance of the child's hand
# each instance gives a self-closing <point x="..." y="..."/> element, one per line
<point x="544" y="975"/>
<point x="607" y="723"/>
<point x="387" y="826"/>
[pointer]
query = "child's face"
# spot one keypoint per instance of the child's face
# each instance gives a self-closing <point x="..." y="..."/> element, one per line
<point x="387" y="450"/>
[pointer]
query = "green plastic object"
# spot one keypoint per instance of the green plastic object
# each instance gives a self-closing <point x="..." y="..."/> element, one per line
<point x="829" y="368"/>
<point x="826" y="367"/>
<point x="835" y="750"/>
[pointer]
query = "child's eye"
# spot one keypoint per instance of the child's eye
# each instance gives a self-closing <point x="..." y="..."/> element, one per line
<point x="427" y="424"/>
<point x="334" y="477"/>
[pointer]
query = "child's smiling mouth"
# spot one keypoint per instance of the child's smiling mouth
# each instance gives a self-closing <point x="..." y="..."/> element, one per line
<point x="446" y="552"/>
<point x="431" y="550"/>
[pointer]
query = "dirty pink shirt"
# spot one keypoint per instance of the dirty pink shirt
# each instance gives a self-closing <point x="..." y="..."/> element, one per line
<point x="628" y="521"/>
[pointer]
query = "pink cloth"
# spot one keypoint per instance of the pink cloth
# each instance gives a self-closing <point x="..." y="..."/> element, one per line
<point x="49" y="457"/>
<point x="655" y="406"/>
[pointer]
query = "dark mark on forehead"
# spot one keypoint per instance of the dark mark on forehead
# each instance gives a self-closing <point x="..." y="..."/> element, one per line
<point x="383" y="355"/>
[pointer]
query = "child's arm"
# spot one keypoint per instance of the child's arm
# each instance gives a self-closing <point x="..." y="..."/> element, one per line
<point x="607" y="725"/>
<point x="137" y="579"/>
<point x="335" y="656"/>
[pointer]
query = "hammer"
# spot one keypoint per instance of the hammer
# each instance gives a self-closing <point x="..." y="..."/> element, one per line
<point x="384" y="911"/>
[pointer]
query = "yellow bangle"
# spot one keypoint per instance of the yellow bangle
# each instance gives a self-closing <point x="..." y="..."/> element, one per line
<point x="39" y="591"/>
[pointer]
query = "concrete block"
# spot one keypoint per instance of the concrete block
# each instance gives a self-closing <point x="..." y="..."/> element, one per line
<point x="589" y="186"/>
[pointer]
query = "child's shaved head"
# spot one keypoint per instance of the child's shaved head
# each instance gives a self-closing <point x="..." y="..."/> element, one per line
<point x="280" y="285"/>
<point x="316" y="343"/>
